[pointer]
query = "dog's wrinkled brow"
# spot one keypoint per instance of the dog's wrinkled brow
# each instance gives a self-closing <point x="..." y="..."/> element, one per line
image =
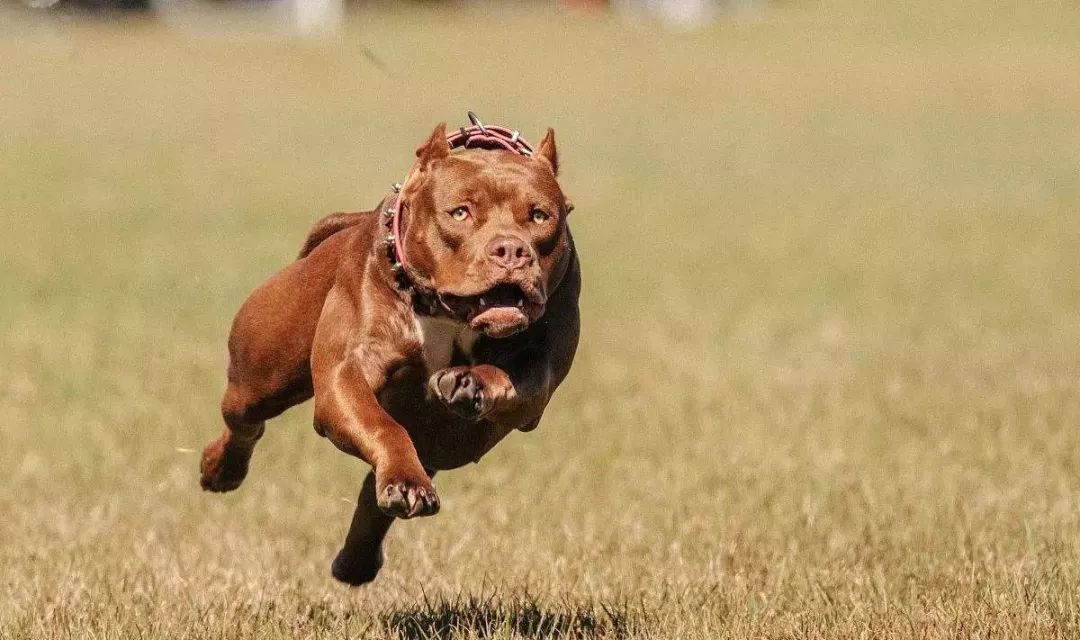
<point x="495" y="185"/>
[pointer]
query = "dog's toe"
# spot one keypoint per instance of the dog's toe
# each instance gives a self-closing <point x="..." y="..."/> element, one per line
<point x="218" y="484"/>
<point x="408" y="498"/>
<point x="462" y="391"/>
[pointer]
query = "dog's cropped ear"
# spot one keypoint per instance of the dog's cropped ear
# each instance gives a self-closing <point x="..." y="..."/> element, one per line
<point x="547" y="151"/>
<point x="435" y="148"/>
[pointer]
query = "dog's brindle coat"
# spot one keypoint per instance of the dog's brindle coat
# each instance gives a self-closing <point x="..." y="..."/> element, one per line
<point x="408" y="390"/>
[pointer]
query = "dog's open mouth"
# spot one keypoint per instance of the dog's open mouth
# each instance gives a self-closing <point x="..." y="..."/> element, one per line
<point x="501" y="311"/>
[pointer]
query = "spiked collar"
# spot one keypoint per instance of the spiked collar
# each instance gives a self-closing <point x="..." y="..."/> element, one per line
<point x="393" y="209"/>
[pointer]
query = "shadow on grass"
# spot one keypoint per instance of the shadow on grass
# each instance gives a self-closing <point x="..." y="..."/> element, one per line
<point x="475" y="617"/>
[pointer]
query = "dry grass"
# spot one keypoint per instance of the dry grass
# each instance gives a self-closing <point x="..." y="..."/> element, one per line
<point x="830" y="379"/>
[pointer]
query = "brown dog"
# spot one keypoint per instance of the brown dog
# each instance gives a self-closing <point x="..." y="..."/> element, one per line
<point x="416" y="364"/>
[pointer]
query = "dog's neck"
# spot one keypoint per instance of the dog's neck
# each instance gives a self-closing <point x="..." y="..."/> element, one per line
<point x="425" y="302"/>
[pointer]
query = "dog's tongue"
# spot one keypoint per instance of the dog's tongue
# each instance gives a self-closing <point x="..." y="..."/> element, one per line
<point x="500" y="322"/>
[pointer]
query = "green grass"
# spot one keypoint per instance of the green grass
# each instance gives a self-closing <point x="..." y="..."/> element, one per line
<point x="829" y="382"/>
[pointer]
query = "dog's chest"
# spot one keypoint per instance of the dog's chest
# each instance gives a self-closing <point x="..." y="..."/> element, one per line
<point x="441" y="338"/>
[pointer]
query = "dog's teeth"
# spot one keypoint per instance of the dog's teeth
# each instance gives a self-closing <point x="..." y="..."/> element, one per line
<point x="483" y="303"/>
<point x="521" y="303"/>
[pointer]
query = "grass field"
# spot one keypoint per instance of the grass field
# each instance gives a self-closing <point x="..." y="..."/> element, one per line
<point x="829" y="383"/>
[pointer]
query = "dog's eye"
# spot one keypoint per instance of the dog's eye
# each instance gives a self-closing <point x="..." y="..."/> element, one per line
<point x="538" y="216"/>
<point x="460" y="213"/>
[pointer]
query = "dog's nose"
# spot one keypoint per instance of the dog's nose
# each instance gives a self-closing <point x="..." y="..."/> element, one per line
<point x="510" y="252"/>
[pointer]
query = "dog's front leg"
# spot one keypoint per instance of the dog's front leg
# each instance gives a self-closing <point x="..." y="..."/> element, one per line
<point x="348" y="413"/>
<point x="513" y="384"/>
<point x="489" y="392"/>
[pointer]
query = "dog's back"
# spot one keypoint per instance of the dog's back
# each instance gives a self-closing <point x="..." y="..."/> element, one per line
<point x="327" y="227"/>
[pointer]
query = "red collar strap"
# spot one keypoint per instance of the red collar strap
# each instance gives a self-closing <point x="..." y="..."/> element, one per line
<point x="477" y="136"/>
<point x="481" y="136"/>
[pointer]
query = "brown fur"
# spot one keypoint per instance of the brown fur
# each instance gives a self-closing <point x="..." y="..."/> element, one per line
<point x="327" y="227"/>
<point x="388" y="387"/>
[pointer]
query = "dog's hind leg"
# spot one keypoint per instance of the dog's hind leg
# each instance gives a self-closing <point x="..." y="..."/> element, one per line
<point x="270" y="357"/>
<point x="225" y="460"/>
<point x="361" y="556"/>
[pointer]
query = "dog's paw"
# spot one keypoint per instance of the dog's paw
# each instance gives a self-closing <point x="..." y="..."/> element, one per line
<point x="408" y="496"/>
<point x="463" y="391"/>
<point x="355" y="572"/>
<point x="223" y="468"/>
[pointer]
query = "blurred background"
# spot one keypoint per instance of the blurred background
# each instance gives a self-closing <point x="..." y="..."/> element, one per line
<point x="829" y="380"/>
<point x="322" y="16"/>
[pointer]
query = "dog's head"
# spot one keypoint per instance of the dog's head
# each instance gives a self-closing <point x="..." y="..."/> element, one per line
<point x="486" y="230"/>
